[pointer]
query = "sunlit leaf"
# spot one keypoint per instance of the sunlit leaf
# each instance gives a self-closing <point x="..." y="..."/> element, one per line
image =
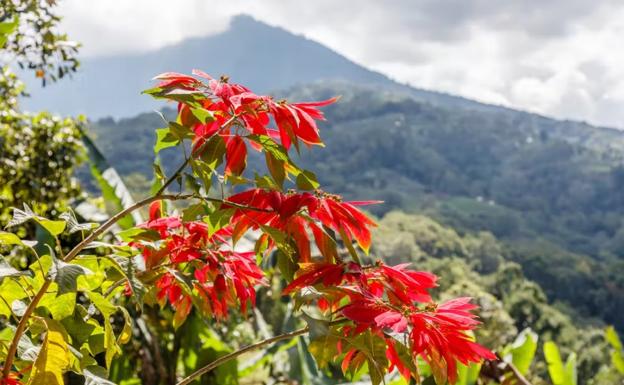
<point x="53" y="358"/>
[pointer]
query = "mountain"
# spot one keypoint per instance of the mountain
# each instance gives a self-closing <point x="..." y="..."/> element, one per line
<point x="263" y="57"/>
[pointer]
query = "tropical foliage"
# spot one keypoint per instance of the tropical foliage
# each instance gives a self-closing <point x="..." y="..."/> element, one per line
<point x="246" y="271"/>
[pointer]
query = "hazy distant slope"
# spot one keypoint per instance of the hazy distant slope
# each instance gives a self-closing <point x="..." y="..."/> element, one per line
<point x="260" y="56"/>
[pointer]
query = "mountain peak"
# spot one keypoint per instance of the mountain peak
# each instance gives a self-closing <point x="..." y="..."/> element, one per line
<point x="263" y="57"/>
<point x="244" y="20"/>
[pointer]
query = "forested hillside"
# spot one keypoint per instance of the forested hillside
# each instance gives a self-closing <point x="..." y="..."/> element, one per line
<point x="549" y="189"/>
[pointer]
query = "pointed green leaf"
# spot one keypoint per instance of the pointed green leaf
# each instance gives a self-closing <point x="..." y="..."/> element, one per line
<point x="9" y="239"/>
<point x="523" y="350"/>
<point x="306" y="180"/>
<point x="612" y="337"/>
<point x="164" y="139"/>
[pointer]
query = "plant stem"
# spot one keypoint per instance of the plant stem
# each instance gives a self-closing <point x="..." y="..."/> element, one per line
<point x="223" y="359"/>
<point x="21" y="326"/>
<point x="198" y="150"/>
<point x="521" y="379"/>
<point x="112" y="220"/>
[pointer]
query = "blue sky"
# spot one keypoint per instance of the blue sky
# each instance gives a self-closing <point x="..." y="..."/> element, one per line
<point x="562" y="58"/>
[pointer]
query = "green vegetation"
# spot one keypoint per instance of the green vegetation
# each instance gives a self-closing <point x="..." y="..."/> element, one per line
<point x="521" y="212"/>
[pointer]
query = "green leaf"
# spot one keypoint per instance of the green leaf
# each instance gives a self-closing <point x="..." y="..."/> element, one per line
<point x="467" y="375"/>
<point x="66" y="275"/>
<point x="570" y="370"/>
<point x="523" y="350"/>
<point x="555" y="365"/>
<point x="617" y="359"/>
<point x="96" y="375"/>
<point x="306" y="180"/>
<point x="79" y="326"/>
<point x="203" y="115"/>
<point x="110" y="344"/>
<point x="126" y="332"/>
<point x="276" y="168"/>
<point x="612" y="337"/>
<point x="8" y="27"/>
<point x="9" y="239"/>
<point x="53" y="358"/>
<point x="110" y="341"/>
<point x="22" y="216"/>
<point x="194" y="211"/>
<point x="10" y="291"/>
<point x="54" y="227"/>
<point x="165" y="139"/>
<point x="128" y="268"/>
<point x="217" y="220"/>
<point x="102" y="304"/>
<point x="324" y="349"/>
<point x="94" y="280"/>
<point x="72" y="223"/>
<point x="7" y="271"/>
<point x="286" y="265"/>
<point x="60" y="306"/>
<point x="212" y="152"/>
<point x="318" y="327"/>
<point x="138" y="234"/>
<point x="347" y="243"/>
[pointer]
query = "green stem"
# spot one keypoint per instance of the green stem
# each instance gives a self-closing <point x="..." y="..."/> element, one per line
<point x="21" y="326"/>
<point x="228" y="357"/>
<point x="267" y="341"/>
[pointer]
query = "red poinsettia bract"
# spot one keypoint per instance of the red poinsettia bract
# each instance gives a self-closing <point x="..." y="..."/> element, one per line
<point x="281" y="211"/>
<point x="223" y="278"/>
<point x="294" y="122"/>
<point x="386" y="300"/>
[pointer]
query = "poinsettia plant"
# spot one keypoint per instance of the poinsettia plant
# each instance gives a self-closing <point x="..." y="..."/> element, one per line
<point x="362" y="314"/>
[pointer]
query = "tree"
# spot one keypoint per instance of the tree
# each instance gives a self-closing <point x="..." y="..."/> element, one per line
<point x="38" y="152"/>
<point x="29" y="35"/>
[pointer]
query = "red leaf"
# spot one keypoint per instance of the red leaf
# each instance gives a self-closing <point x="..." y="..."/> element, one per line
<point x="235" y="156"/>
<point x="155" y="210"/>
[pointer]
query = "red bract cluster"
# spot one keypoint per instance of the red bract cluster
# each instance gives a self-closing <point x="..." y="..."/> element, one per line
<point x="386" y="300"/>
<point x="283" y="211"/>
<point x="294" y="121"/>
<point x="223" y="278"/>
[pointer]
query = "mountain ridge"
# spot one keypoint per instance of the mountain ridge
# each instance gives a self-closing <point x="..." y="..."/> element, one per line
<point x="264" y="57"/>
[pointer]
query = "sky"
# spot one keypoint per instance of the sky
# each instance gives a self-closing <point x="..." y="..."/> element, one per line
<point x="561" y="58"/>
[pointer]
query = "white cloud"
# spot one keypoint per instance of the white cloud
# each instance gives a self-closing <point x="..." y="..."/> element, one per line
<point x="562" y="58"/>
